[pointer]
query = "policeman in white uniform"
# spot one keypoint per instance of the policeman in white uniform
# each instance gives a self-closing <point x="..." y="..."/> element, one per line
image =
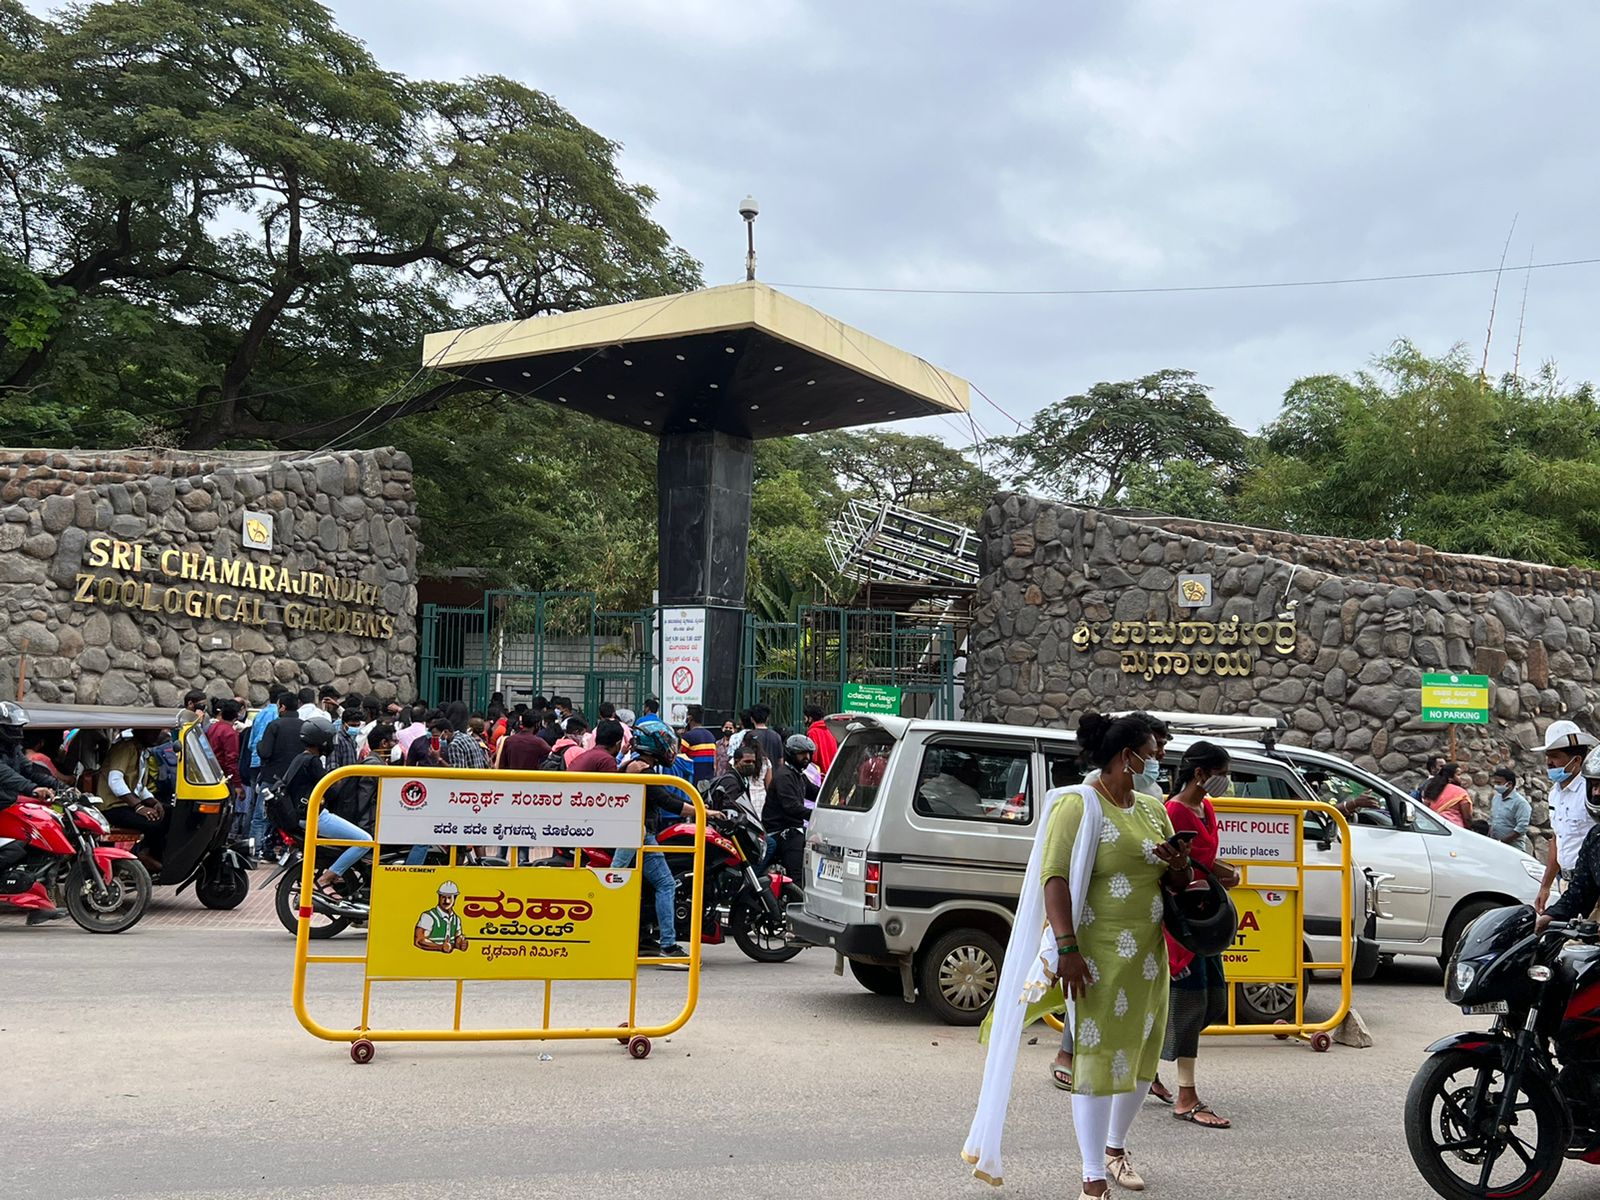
<point x="1564" y="747"/>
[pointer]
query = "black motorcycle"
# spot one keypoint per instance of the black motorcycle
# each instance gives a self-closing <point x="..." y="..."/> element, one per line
<point x="1493" y="1114"/>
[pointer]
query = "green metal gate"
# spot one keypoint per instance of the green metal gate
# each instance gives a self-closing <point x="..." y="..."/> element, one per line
<point x="787" y="665"/>
<point x="527" y="644"/>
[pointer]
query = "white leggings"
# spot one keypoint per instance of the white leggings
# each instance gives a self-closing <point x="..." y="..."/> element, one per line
<point x="1103" y="1122"/>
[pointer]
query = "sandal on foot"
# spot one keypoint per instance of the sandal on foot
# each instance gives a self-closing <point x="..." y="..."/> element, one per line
<point x="1194" y="1114"/>
<point x="1119" y="1170"/>
<point x="1158" y="1090"/>
<point x="1061" y="1077"/>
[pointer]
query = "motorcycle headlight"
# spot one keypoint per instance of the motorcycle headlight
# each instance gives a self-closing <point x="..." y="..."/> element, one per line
<point x="1466" y="972"/>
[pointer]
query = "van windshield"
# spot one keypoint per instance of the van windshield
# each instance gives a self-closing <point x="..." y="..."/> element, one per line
<point x="856" y="774"/>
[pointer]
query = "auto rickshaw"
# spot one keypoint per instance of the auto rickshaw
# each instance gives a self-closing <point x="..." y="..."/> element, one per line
<point x="200" y="848"/>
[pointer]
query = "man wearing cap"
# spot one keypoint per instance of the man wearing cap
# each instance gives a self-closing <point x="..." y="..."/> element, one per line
<point x="1564" y="747"/>
<point x="439" y="929"/>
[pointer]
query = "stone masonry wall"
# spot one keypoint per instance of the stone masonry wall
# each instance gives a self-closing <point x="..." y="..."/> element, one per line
<point x="348" y="514"/>
<point x="1371" y="618"/>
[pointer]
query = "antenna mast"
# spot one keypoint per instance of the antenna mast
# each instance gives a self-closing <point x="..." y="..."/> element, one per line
<point x="1483" y="371"/>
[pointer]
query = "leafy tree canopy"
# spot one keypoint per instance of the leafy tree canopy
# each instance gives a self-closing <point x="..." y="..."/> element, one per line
<point x="1089" y="447"/>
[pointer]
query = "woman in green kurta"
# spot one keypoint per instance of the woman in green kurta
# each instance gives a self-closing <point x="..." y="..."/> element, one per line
<point x="1112" y="957"/>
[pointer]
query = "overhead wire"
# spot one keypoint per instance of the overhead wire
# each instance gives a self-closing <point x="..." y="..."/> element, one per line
<point x="1263" y="285"/>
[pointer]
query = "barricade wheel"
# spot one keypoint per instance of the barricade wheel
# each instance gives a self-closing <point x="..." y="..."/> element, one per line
<point x="639" y="1047"/>
<point x="1320" y="1042"/>
<point x="362" y="1051"/>
<point x="622" y="1041"/>
<point x="1282" y="1037"/>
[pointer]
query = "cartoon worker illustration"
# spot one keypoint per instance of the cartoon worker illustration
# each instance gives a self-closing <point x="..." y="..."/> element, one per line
<point x="439" y="929"/>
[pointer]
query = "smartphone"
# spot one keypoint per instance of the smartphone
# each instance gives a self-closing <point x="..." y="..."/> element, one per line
<point x="1181" y="839"/>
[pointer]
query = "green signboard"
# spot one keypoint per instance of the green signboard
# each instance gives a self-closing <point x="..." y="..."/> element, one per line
<point x="875" y="699"/>
<point x="1455" y="699"/>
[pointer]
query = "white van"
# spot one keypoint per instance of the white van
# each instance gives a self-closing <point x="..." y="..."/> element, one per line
<point x="916" y="852"/>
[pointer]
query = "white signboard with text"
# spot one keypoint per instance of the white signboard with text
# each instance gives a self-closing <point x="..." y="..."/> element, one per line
<point x="683" y="660"/>
<point x="441" y="811"/>
<point x="1257" y="837"/>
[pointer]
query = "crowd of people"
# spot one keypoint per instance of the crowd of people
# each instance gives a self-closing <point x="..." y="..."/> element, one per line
<point x="277" y="758"/>
<point x="1510" y="812"/>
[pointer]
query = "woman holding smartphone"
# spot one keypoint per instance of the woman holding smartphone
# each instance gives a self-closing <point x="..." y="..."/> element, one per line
<point x="1199" y="992"/>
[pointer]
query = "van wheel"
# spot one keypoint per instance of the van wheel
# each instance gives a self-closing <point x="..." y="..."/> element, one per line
<point x="959" y="974"/>
<point x="884" y="981"/>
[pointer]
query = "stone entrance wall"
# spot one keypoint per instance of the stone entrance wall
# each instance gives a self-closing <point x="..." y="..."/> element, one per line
<point x="104" y="581"/>
<point x="1369" y="618"/>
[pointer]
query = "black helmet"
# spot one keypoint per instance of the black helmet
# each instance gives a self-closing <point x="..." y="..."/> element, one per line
<point x="317" y="732"/>
<point x="13" y="719"/>
<point x="1203" y="923"/>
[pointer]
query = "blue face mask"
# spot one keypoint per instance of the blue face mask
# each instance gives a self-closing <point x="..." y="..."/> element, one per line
<point x="1558" y="774"/>
<point x="1146" y="780"/>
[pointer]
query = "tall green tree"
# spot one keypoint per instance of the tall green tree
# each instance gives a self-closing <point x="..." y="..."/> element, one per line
<point x="911" y="470"/>
<point x="242" y="184"/>
<point x="1088" y="447"/>
<point x="1424" y="448"/>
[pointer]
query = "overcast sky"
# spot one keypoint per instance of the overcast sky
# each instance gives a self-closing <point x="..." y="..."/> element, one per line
<point x="1066" y="145"/>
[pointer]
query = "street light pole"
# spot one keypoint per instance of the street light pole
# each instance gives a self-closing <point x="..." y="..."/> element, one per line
<point x="748" y="209"/>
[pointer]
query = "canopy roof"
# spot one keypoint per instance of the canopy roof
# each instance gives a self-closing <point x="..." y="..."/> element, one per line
<point x="741" y="359"/>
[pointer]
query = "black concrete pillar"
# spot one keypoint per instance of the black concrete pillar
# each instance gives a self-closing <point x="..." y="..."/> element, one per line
<point x="704" y="481"/>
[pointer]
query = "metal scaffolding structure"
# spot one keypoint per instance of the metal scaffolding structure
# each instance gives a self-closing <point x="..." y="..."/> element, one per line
<point x="886" y="543"/>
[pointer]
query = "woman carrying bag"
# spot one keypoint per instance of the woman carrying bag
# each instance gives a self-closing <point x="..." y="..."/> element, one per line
<point x="1199" y="993"/>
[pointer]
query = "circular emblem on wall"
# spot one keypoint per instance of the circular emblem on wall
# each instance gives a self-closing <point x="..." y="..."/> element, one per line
<point x="256" y="531"/>
<point x="1194" y="591"/>
<point x="413" y="794"/>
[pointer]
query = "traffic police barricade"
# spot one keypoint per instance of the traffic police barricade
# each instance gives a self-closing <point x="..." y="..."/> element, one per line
<point x="1265" y="841"/>
<point x="460" y="923"/>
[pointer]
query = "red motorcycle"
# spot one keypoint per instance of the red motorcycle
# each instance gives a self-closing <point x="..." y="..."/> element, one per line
<point x="735" y="899"/>
<point x="106" y="888"/>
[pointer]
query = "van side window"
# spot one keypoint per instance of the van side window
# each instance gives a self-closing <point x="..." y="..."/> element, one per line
<point x="966" y="783"/>
<point x="1266" y="786"/>
<point x="1065" y="770"/>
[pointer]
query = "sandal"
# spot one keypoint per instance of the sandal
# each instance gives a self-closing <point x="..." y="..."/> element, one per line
<point x="328" y="891"/>
<point x="1061" y="1077"/>
<point x="1160" y="1092"/>
<point x="1194" y="1114"/>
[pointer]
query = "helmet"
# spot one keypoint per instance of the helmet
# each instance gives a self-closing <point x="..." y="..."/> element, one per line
<point x="318" y="732"/>
<point x="1203" y="923"/>
<point x="1591" y="772"/>
<point x="799" y="743"/>
<point x="449" y="889"/>
<point x="13" y="719"/>
<point x="657" y="742"/>
<point x="1565" y="735"/>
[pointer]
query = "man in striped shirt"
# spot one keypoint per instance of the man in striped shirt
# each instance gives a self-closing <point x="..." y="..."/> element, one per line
<point x="700" y="744"/>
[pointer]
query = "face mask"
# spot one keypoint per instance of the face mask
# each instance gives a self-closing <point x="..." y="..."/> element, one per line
<point x="1500" y="789"/>
<point x="1149" y="773"/>
<point x="1218" y="785"/>
<point x="1559" y="774"/>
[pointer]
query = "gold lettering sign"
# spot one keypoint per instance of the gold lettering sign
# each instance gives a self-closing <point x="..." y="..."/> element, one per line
<point x="1233" y="641"/>
<point x="344" y="613"/>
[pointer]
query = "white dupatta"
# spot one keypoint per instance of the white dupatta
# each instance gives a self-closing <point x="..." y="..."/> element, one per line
<point x="1028" y="972"/>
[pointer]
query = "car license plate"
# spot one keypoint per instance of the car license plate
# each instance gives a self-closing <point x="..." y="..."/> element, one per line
<point x="831" y="869"/>
<point x="1481" y="1010"/>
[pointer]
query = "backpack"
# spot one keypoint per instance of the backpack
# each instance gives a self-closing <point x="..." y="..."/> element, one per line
<point x="282" y="810"/>
<point x="164" y="784"/>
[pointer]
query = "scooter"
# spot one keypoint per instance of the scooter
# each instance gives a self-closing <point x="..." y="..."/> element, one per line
<point x="1494" y="1113"/>
<point x="106" y="888"/>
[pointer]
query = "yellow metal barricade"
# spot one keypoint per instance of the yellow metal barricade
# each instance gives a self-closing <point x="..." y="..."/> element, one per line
<point x="1268" y="844"/>
<point x="520" y="923"/>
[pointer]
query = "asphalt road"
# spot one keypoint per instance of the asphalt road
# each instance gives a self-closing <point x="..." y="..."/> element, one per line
<point x="166" y="1062"/>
